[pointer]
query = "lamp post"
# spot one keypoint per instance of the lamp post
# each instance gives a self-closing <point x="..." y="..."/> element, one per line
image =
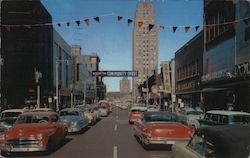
<point x="71" y="95"/>
<point x="38" y="75"/>
<point x="147" y="88"/>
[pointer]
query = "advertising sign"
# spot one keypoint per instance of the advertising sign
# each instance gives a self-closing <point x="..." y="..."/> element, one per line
<point x="166" y="78"/>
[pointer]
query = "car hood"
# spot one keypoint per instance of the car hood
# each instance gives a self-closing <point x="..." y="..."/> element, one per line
<point x="69" y="119"/>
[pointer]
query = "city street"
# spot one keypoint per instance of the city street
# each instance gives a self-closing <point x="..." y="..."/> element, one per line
<point x="112" y="137"/>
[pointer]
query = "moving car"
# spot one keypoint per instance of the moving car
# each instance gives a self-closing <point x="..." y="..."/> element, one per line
<point x="74" y="118"/>
<point x="222" y="117"/>
<point x="34" y="131"/>
<point x="103" y="110"/>
<point x="161" y="128"/>
<point x="227" y="141"/>
<point x="136" y="113"/>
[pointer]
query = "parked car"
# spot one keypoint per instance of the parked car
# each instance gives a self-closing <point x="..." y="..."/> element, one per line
<point x="222" y="117"/>
<point x="136" y="113"/>
<point x="41" y="109"/>
<point x="103" y="110"/>
<point x="34" y="131"/>
<point x="189" y="116"/>
<point x="12" y="112"/>
<point x="161" y="128"/>
<point x="226" y="141"/>
<point x="74" y="118"/>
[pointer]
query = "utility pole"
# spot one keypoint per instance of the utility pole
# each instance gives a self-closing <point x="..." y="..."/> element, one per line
<point x="38" y="75"/>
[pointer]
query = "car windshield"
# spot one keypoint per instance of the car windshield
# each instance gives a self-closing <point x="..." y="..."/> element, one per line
<point x="11" y="114"/>
<point x="138" y="110"/>
<point x="7" y="121"/>
<point x="194" y="113"/>
<point x="160" y="117"/>
<point x="32" y="119"/>
<point x="69" y="113"/>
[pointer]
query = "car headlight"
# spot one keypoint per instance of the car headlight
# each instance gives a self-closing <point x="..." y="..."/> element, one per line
<point x="39" y="136"/>
<point x="2" y="137"/>
<point x="73" y="124"/>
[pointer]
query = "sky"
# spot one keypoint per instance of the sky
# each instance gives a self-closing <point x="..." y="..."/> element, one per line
<point x="112" y="39"/>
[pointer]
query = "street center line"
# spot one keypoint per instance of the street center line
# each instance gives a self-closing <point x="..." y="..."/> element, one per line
<point x="115" y="127"/>
<point x="115" y="152"/>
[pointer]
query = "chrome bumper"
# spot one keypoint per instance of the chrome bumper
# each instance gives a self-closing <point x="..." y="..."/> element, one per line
<point x="22" y="148"/>
<point x="166" y="141"/>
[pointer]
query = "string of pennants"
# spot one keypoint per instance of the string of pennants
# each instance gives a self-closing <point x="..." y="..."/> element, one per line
<point x="140" y="24"/>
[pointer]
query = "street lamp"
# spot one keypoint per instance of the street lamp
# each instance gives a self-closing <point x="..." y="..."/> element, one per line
<point x="38" y="75"/>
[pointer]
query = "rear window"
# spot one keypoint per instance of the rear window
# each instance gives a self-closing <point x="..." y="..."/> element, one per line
<point x="138" y="110"/>
<point x="160" y="117"/>
<point x="240" y="119"/>
<point x="69" y="113"/>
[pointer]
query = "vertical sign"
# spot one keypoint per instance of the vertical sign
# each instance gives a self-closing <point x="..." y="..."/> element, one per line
<point x="166" y="78"/>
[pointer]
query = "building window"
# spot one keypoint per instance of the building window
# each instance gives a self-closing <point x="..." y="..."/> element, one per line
<point x="247" y="34"/>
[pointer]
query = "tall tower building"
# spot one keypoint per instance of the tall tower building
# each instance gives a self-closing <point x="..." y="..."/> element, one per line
<point x="124" y="85"/>
<point x="145" y="44"/>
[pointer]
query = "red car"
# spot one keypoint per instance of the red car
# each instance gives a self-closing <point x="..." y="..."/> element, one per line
<point x="136" y="113"/>
<point x="161" y="127"/>
<point x="34" y="131"/>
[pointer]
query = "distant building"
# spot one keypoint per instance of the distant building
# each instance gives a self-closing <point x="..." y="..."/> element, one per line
<point x="145" y="45"/>
<point x="124" y="85"/>
<point x="25" y="49"/>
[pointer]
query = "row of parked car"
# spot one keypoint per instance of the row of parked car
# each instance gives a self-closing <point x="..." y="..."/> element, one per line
<point x="28" y="130"/>
<point x="217" y="134"/>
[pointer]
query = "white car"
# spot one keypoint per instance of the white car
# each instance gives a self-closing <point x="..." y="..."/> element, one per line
<point x="103" y="111"/>
<point x="190" y="116"/>
<point x="12" y="112"/>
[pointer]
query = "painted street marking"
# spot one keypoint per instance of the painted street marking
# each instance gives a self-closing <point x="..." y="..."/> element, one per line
<point x="115" y="152"/>
<point x="115" y="127"/>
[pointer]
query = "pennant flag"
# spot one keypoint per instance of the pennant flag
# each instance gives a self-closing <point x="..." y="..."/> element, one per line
<point x="150" y="26"/>
<point x="49" y="25"/>
<point x="87" y="22"/>
<point x="27" y="26"/>
<point x="7" y="28"/>
<point x="197" y="28"/>
<point x="58" y="24"/>
<point x="246" y="21"/>
<point x="140" y="23"/>
<point x="119" y="18"/>
<point x="211" y="26"/>
<point x="68" y="23"/>
<point x="97" y="19"/>
<point x="129" y="21"/>
<point x="78" y="22"/>
<point x="162" y="27"/>
<point x="187" y="28"/>
<point x="174" y="28"/>
<point x="234" y="23"/>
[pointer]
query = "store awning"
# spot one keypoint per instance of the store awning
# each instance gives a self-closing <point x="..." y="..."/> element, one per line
<point x="213" y="89"/>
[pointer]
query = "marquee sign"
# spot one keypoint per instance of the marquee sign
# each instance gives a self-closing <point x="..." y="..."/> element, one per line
<point x="115" y="73"/>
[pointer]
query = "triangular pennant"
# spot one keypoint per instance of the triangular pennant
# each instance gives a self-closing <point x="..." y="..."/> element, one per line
<point x="211" y="26"/>
<point x="187" y="28"/>
<point x="234" y="23"/>
<point x="150" y="26"/>
<point x="246" y="21"/>
<point x="119" y="18"/>
<point x="97" y="19"/>
<point x="7" y="28"/>
<point x="58" y="24"/>
<point x="87" y="22"/>
<point x="174" y="28"/>
<point x="68" y="24"/>
<point x="197" y="28"/>
<point x="140" y="23"/>
<point x="129" y="21"/>
<point x="162" y="27"/>
<point x="78" y="22"/>
<point x="27" y="26"/>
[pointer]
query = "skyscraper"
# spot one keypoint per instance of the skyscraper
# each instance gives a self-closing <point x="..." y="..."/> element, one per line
<point x="145" y="44"/>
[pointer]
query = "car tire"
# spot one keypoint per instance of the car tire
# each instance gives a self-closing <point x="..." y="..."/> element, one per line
<point x="5" y="153"/>
<point x="49" y="147"/>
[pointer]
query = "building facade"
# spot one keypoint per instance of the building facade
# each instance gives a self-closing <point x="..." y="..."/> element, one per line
<point x="226" y="55"/>
<point x="124" y="85"/>
<point x="188" y="64"/>
<point x="24" y="50"/>
<point x="63" y="62"/>
<point x="145" y="45"/>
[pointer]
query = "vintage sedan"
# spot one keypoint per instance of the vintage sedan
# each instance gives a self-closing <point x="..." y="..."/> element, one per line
<point x="6" y="123"/>
<point x="226" y="141"/>
<point x="161" y="128"/>
<point x="136" y="113"/>
<point x="74" y="118"/>
<point x="34" y="131"/>
<point x="190" y="116"/>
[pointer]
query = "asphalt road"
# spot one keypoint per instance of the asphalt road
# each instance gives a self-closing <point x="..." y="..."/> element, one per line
<point x="112" y="137"/>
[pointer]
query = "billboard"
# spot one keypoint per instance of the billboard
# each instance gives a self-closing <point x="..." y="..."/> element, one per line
<point x="115" y="73"/>
<point x="166" y="77"/>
